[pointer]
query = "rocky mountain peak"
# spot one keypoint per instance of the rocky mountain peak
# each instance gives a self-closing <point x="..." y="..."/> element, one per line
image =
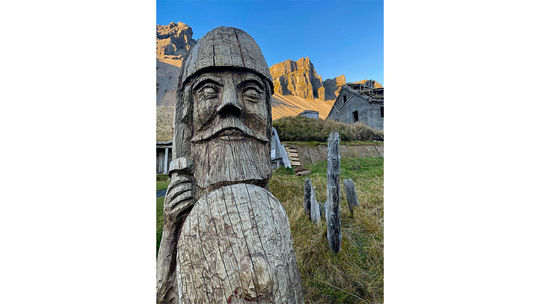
<point x="173" y="42"/>
<point x="332" y="86"/>
<point x="297" y="78"/>
<point x="174" y="39"/>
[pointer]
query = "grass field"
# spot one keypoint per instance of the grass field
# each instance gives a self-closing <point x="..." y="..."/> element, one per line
<point x="162" y="181"/>
<point x="355" y="274"/>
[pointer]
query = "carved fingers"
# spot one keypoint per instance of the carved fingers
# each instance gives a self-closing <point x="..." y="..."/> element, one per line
<point x="180" y="194"/>
<point x="178" y="198"/>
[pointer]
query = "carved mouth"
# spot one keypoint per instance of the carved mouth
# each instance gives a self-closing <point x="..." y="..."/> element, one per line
<point x="231" y="134"/>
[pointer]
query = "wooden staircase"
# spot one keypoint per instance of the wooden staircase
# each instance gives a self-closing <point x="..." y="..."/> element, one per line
<point x="293" y="155"/>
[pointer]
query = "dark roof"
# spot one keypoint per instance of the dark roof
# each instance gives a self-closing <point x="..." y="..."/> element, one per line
<point x="369" y="97"/>
<point x="308" y="111"/>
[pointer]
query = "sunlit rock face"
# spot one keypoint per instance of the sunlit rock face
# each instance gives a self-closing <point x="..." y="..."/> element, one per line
<point x="297" y="78"/>
<point x="370" y="83"/>
<point x="332" y="86"/>
<point x="173" y="42"/>
<point x="174" y="39"/>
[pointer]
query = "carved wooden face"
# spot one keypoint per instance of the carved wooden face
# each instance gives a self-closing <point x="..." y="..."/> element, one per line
<point x="230" y="106"/>
<point x="231" y="117"/>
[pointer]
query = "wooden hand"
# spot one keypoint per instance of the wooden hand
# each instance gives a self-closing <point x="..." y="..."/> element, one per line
<point x="178" y="200"/>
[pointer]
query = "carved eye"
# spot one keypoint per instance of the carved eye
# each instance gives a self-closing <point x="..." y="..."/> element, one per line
<point x="208" y="91"/>
<point x="252" y="93"/>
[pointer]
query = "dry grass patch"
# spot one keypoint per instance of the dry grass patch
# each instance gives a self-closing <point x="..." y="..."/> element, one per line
<point x="355" y="274"/>
<point x="309" y="129"/>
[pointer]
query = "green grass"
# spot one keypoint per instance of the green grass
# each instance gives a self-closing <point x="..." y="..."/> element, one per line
<point x="355" y="274"/>
<point x="308" y="129"/>
<point x="162" y="181"/>
<point x="159" y="221"/>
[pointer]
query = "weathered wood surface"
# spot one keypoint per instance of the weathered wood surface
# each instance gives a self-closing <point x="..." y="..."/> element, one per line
<point x="236" y="247"/>
<point x="312" y="208"/>
<point x="307" y="196"/>
<point x="333" y="221"/>
<point x="178" y="201"/>
<point x="226" y="239"/>
<point x="278" y="153"/>
<point x="352" y="198"/>
<point x="225" y="47"/>
<point x="315" y="208"/>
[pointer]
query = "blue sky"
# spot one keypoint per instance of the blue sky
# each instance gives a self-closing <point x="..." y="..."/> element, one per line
<point x="340" y="37"/>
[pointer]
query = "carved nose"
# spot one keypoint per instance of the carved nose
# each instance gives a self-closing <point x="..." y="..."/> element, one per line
<point x="229" y="109"/>
<point x="230" y="105"/>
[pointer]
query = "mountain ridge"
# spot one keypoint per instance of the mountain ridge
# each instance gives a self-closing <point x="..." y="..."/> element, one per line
<point x="297" y="86"/>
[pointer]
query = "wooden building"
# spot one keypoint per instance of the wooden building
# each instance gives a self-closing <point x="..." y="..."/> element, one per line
<point x="358" y="102"/>
<point x="163" y="156"/>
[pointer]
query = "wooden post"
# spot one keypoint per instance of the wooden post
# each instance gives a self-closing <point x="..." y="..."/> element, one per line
<point x="352" y="198"/>
<point x="315" y="208"/>
<point x="307" y="196"/>
<point x="311" y="207"/>
<point x="228" y="240"/>
<point x="333" y="222"/>
<point x="166" y="161"/>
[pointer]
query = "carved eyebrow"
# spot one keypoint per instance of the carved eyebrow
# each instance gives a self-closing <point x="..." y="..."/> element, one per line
<point x="252" y="80"/>
<point x="205" y="79"/>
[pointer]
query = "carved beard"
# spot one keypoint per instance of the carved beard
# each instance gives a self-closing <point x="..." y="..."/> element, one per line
<point x="218" y="162"/>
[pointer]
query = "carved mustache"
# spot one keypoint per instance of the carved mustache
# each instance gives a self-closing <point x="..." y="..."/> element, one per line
<point x="221" y="124"/>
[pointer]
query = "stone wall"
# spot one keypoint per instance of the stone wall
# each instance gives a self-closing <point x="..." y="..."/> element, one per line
<point x="311" y="155"/>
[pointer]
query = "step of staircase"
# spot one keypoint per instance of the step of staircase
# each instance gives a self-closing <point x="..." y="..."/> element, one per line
<point x="293" y="156"/>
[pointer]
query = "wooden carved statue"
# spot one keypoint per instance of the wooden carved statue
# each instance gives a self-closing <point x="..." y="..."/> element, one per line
<point x="226" y="238"/>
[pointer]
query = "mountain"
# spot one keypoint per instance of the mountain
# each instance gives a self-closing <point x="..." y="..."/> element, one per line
<point x="289" y="105"/>
<point x="332" y="86"/>
<point x="297" y="78"/>
<point x="297" y="86"/>
<point x="173" y="42"/>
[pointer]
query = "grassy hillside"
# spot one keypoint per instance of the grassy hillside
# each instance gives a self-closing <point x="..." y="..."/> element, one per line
<point x="355" y="274"/>
<point x="309" y="129"/>
<point x="290" y="105"/>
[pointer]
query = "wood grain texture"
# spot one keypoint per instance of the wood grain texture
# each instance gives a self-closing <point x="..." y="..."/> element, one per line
<point x="352" y="198"/>
<point x="315" y="207"/>
<point x="333" y="221"/>
<point x="225" y="47"/>
<point x="219" y="163"/>
<point x="225" y="238"/>
<point x="236" y="247"/>
<point x="307" y="196"/>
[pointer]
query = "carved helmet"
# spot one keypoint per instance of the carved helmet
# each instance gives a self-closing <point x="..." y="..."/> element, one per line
<point x="225" y="47"/>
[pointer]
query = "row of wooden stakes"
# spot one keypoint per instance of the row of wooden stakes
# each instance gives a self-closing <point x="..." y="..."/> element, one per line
<point x="330" y="209"/>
